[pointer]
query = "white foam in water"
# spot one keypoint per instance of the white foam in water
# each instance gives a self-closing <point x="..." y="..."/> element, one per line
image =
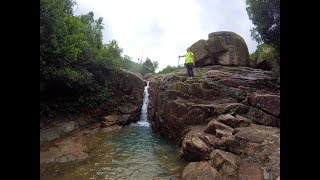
<point x="143" y="123"/>
<point x="144" y="110"/>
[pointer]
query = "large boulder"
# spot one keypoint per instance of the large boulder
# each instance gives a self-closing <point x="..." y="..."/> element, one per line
<point x="201" y="53"/>
<point x="237" y="51"/>
<point x="223" y="47"/>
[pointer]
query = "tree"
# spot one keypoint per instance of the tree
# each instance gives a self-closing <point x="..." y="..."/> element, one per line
<point x="266" y="57"/>
<point x="148" y="66"/>
<point x="74" y="63"/>
<point x="130" y="65"/>
<point x="170" y="69"/>
<point x="265" y="15"/>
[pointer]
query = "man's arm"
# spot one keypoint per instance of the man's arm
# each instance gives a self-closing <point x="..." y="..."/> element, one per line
<point x="182" y="56"/>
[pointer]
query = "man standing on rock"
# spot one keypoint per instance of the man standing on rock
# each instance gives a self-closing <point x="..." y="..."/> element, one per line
<point x="189" y="62"/>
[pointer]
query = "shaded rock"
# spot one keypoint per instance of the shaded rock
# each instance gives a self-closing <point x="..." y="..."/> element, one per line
<point x="200" y="171"/>
<point x="213" y="125"/>
<point x="130" y="84"/>
<point x="261" y="117"/>
<point x="232" y="144"/>
<point x="235" y="108"/>
<point x="244" y="122"/>
<point x="267" y="102"/>
<point x="252" y="63"/>
<point x="201" y="53"/>
<point x="209" y="139"/>
<point x="263" y="64"/>
<point x="196" y="145"/>
<point x="125" y="119"/>
<point x="224" y="162"/>
<point x="49" y="134"/>
<point x="231" y="121"/>
<point x="111" y="120"/>
<point x="216" y="45"/>
<point x="128" y="108"/>
<point x="223" y="133"/>
<point x="176" y="115"/>
<point x="124" y="88"/>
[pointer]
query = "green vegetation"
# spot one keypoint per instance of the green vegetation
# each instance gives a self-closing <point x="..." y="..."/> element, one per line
<point x="170" y="69"/>
<point x="265" y="15"/>
<point x="266" y="52"/>
<point x="75" y="66"/>
<point x="148" y="66"/>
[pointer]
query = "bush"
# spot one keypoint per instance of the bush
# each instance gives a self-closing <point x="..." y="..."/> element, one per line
<point x="267" y="58"/>
<point x="170" y="69"/>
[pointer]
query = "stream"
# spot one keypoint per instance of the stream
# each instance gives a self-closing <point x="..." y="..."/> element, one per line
<point x="132" y="152"/>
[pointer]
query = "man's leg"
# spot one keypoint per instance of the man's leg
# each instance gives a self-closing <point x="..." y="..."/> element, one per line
<point x="189" y="70"/>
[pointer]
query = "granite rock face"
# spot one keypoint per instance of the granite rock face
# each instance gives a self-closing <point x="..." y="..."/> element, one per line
<point x="227" y="118"/>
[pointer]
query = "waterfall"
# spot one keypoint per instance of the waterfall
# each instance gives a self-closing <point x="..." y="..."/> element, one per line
<point x="144" y="110"/>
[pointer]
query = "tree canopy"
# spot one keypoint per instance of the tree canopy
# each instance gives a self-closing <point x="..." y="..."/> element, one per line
<point x="265" y="15"/>
<point x="75" y="64"/>
<point x="148" y="66"/>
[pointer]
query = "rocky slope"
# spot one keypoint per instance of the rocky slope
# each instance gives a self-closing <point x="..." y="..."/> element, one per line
<point x="226" y="120"/>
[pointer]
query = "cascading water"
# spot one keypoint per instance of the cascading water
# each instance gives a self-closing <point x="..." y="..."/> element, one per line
<point x="144" y="110"/>
<point x="133" y="152"/>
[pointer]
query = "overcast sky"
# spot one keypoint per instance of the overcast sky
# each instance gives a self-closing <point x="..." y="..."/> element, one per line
<point x="163" y="29"/>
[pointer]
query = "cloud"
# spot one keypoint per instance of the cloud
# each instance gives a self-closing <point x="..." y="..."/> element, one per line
<point x="162" y="30"/>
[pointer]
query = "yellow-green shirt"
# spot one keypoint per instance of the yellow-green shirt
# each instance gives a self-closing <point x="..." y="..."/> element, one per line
<point x="189" y="57"/>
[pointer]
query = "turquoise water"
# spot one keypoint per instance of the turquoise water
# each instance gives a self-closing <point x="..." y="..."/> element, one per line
<point x="133" y="152"/>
